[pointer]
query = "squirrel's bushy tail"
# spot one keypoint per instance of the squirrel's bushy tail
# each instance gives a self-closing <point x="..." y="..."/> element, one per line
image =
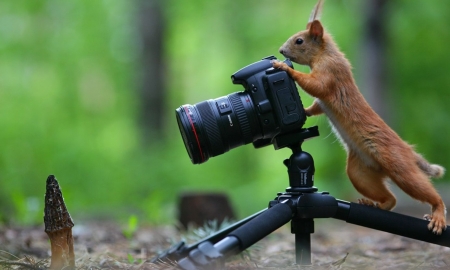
<point x="432" y="170"/>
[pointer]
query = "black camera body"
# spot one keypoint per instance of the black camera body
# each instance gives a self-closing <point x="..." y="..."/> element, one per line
<point x="269" y="106"/>
<point x="275" y="97"/>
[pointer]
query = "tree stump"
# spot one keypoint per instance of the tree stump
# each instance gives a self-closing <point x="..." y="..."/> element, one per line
<point x="197" y="208"/>
<point x="58" y="226"/>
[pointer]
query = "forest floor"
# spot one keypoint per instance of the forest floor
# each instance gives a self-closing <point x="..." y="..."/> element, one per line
<point x="335" y="245"/>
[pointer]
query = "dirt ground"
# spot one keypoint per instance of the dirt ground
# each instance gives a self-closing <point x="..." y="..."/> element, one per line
<point x="335" y="245"/>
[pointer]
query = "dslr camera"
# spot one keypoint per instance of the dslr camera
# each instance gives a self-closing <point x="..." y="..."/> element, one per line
<point x="268" y="109"/>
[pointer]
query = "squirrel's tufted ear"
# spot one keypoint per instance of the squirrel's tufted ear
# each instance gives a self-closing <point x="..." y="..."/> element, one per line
<point x="315" y="13"/>
<point x="315" y="30"/>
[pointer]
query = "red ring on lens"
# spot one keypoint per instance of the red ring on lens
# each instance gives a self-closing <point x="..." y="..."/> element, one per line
<point x="195" y="132"/>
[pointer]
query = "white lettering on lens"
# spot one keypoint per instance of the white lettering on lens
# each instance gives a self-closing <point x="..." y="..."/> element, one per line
<point x="229" y="120"/>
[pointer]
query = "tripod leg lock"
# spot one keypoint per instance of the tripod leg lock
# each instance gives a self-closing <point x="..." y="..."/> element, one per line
<point x="205" y="256"/>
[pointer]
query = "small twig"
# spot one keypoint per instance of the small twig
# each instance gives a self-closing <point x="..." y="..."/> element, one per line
<point x="9" y="254"/>
<point x="29" y="266"/>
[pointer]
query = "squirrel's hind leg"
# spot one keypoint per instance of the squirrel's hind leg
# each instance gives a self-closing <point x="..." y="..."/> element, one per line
<point x="370" y="182"/>
<point x="417" y="185"/>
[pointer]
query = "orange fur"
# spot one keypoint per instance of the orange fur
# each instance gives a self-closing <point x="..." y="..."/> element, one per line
<point x="375" y="151"/>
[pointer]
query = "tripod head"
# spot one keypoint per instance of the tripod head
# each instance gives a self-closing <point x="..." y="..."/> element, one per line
<point x="300" y="164"/>
<point x="295" y="139"/>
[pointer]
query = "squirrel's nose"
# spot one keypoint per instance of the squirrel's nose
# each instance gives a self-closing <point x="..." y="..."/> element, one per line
<point x="281" y="51"/>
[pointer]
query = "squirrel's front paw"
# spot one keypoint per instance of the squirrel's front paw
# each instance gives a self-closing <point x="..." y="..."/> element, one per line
<point x="437" y="223"/>
<point x="280" y="65"/>
<point x="308" y="112"/>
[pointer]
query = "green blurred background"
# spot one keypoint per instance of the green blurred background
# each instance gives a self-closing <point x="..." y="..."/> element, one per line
<point x="88" y="91"/>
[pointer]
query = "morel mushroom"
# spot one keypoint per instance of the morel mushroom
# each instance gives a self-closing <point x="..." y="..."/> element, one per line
<point x="58" y="226"/>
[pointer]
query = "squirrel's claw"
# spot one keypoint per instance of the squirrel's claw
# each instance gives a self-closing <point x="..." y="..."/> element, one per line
<point x="367" y="202"/>
<point x="279" y="65"/>
<point x="436" y="225"/>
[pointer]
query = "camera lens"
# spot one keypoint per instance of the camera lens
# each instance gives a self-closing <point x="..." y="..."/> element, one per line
<point x="213" y="127"/>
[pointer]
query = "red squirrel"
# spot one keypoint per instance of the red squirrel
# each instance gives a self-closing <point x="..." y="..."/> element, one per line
<point x="375" y="152"/>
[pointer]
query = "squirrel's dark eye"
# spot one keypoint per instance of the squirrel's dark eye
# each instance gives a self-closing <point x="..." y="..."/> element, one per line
<point x="299" y="41"/>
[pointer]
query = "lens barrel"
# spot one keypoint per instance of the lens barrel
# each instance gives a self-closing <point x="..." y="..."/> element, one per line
<point x="213" y="127"/>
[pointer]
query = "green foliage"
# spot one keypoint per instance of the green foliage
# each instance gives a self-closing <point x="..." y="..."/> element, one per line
<point x="68" y="100"/>
<point x="133" y="260"/>
<point x="131" y="227"/>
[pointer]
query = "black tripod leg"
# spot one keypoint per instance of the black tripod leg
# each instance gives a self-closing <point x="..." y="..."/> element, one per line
<point x="216" y="237"/>
<point x="207" y="254"/>
<point x="180" y="250"/>
<point x="390" y="222"/>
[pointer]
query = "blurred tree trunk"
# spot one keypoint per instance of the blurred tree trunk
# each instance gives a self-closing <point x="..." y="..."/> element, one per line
<point x="374" y="73"/>
<point x="152" y="87"/>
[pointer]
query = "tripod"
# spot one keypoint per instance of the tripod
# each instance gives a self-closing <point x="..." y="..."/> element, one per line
<point x="300" y="204"/>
